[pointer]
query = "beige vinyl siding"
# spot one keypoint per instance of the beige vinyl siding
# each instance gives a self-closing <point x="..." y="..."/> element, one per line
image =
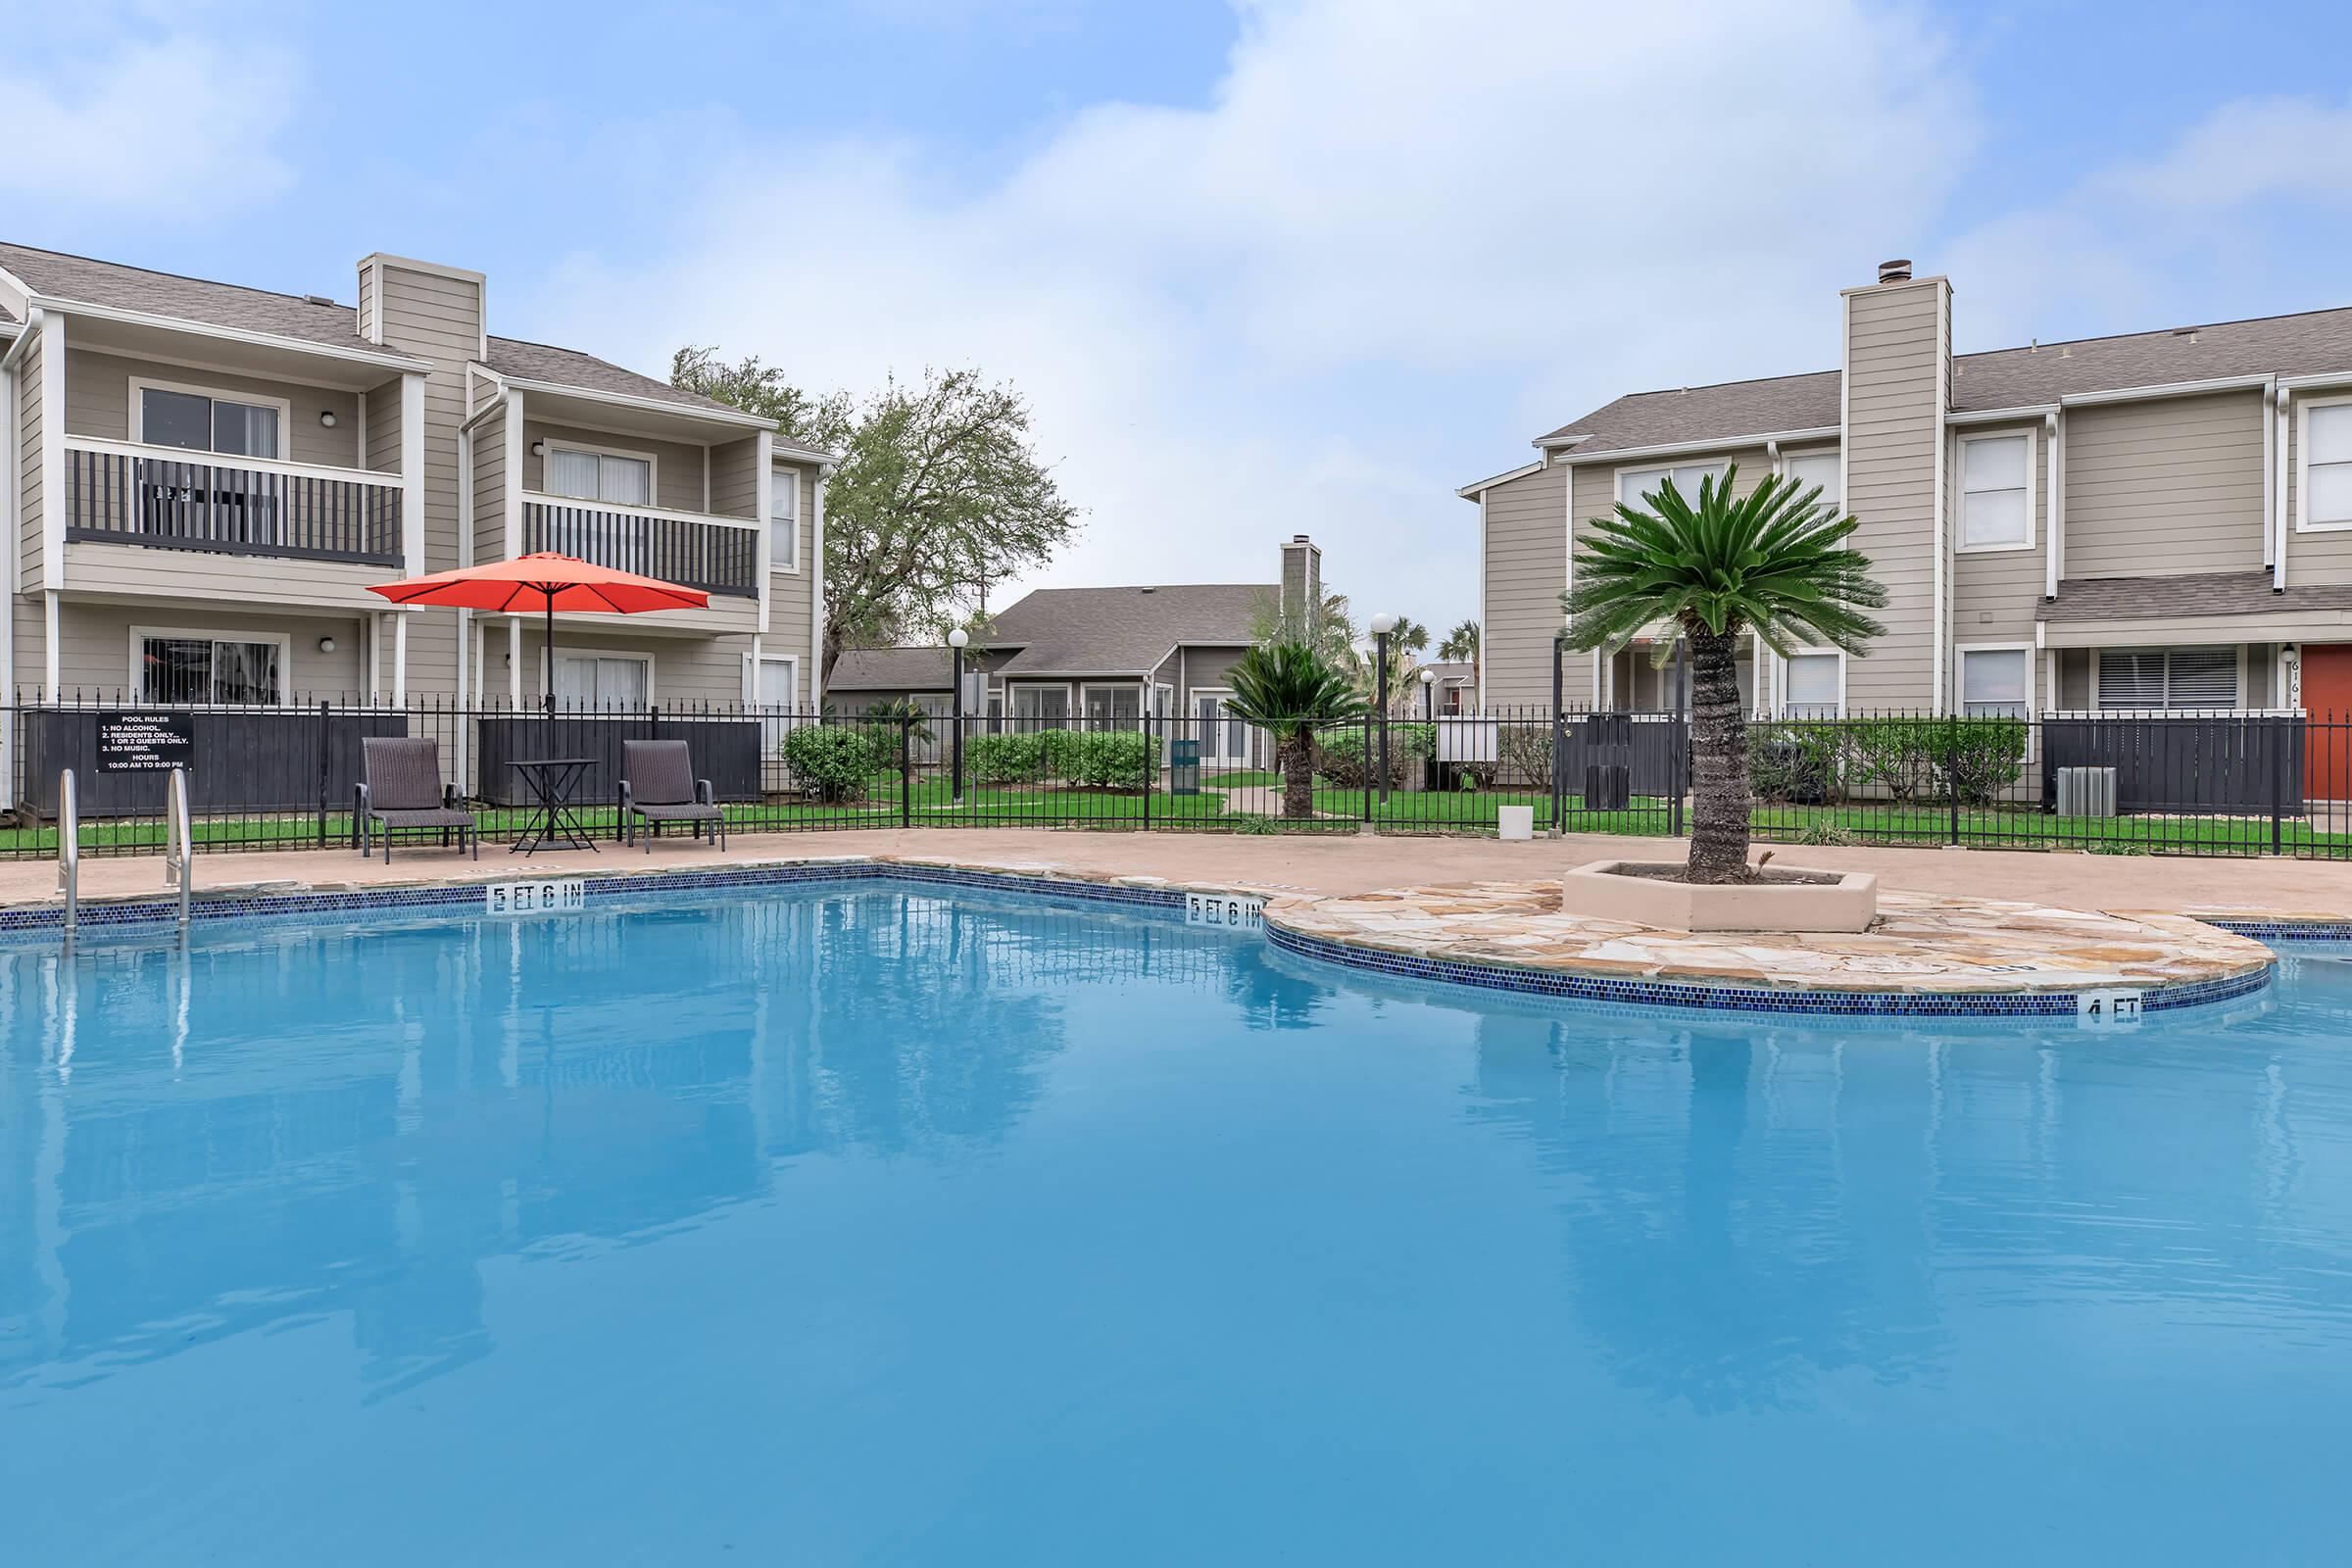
<point x="437" y="318"/>
<point x="2169" y="486"/>
<point x="1995" y="592"/>
<point x="98" y="404"/>
<point x="383" y="426"/>
<point x="2324" y="554"/>
<point x="29" y="474"/>
<point x="1526" y="567"/>
<point x="789" y="594"/>
<point x="734" y="479"/>
<point x="93" y="567"/>
<point x="94" y="643"/>
<point x="1198" y="668"/>
<point x="490" y="486"/>
<point x="677" y="466"/>
<point x="1895" y="363"/>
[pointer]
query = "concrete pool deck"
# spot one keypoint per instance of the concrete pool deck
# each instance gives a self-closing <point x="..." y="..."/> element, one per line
<point x="1341" y="865"/>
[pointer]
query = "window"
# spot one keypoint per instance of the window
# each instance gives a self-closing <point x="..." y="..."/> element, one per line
<point x="1635" y="483"/>
<point x="1112" y="707"/>
<point x="177" y="667"/>
<point x="618" y="478"/>
<point x="1995" y="682"/>
<point x="1996" y="492"/>
<point x="589" y="680"/>
<point x="1812" y="690"/>
<point x="2327" y="466"/>
<point x="784" y="522"/>
<point x="2158" y="679"/>
<point x="197" y="421"/>
<point x="1818" y="468"/>
<point x="1049" y="705"/>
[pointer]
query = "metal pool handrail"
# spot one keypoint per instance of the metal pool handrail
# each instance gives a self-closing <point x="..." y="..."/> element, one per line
<point x="179" y="842"/>
<point x="69" y="853"/>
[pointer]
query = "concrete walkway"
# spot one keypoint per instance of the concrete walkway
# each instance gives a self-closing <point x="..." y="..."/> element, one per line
<point x="1345" y="863"/>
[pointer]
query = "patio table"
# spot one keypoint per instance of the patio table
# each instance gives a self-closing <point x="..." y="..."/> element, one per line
<point x="552" y="780"/>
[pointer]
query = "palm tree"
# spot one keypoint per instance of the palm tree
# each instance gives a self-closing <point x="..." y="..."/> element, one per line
<point x="1460" y="646"/>
<point x="1775" y="563"/>
<point x="1290" y="689"/>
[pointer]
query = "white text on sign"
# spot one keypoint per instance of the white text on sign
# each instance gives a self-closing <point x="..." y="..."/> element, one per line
<point x="1224" y="910"/>
<point x="564" y="896"/>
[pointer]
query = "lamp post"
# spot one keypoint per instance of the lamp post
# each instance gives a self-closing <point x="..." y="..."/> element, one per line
<point x="1382" y="625"/>
<point x="1429" y="716"/>
<point x="956" y="641"/>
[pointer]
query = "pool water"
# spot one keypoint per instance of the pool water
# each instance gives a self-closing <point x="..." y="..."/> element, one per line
<point x="889" y="1224"/>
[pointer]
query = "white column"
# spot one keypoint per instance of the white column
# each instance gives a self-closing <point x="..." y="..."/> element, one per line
<point x="53" y="463"/>
<point x="515" y="659"/>
<point x="375" y="663"/>
<point x="513" y="511"/>
<point x="814" y="571"/>
<point x="763" y="498"/>
<point x="412" y="474"/>
<point x="400" y="658"/>
<point x="49" y="653"/>
<point x="2285" y="522"/>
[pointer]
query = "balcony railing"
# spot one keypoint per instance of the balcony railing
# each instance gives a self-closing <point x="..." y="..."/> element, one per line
<point x="718" y="554"/>
<point x="121" y="493"/>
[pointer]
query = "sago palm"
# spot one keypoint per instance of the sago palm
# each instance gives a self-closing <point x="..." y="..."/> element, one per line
<point x="1775" y="561"/>
<point x="1289" y="689"/>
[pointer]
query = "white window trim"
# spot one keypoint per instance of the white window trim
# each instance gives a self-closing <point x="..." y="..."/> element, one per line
<point x="1721" y="465"/>
<point x="2237" y="705"/>
<point x="1085" y="688"/>
<point x="1960" y="545"/>
<point x="1961" y="651"/>
<point x="2303" y="522"/>
<point x="1074" y="710"/>
<point x="285" y="661"/>
<point x="792" y="661"/>
<point x="652" y="459"/>
<point x="1780" y="678"/>
<point x="565" y="650"/>
<point x="1223" y="693"/>
<point x="785" y="473"/>
<point x="137" y="415"/>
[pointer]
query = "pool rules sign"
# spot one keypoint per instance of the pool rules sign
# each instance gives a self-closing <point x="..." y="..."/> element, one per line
<point x="146" y="743"/>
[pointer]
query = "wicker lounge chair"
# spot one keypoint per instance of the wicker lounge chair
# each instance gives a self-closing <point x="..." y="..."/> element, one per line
<point x="658" y="784"/>
<point x="404" y="789"/>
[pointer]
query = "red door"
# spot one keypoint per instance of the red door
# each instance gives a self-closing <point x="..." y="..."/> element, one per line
<point x="2327" y="738"/>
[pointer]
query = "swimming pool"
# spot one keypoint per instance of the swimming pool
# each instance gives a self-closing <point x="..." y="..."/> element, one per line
<point x="890" y="1223"/>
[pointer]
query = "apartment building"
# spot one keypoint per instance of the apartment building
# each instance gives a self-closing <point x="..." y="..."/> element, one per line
<point x="204" y="479"/>
<point x="2154" y="523"/>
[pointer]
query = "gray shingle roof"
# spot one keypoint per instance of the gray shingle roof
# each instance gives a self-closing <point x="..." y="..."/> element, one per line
<point x="890" y="670"/>
<point x="256" y="310"/>
<point x="2004" y="378"/>
<point x="2205" y="593"/>
<point x="539" y="362"/>
<point x="193" y="298"/>
<point x="1123" y="631"/>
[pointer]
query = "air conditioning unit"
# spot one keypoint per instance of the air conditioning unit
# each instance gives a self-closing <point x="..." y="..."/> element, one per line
<point x="2086" y="792"/>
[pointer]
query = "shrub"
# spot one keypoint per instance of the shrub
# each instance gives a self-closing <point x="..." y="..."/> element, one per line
<point x="1978" y="759"/>
<point x="832" y="760"/>
<point x="1795" y="763"/>
<point x="1825" y="834"/>
<point x="1005" y="759"/>
<point x="1523" y="754"/>
<point x="1057" y="753"/>
<point x="1340" y="754"/>
<point x="1984" y="757"/>
<point x="1898" y="755"/>
<point x="1117" y="760"/>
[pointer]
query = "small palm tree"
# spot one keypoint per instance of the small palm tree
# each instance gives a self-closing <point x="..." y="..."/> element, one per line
<point x="1460" y="646"/>
<point x="1775" y="563"/>
<point x="1290" y="689"/>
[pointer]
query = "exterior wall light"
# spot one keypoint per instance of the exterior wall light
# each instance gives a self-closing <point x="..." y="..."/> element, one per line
<point x="326" y="645"/>
<point x="326" y="417"/>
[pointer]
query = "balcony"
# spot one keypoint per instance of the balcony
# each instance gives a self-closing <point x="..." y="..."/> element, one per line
<point x="718" y="554"/>
<point x="118" y="492"/>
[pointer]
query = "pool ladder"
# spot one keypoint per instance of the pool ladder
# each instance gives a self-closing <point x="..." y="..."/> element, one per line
<point x="179" y="848"/>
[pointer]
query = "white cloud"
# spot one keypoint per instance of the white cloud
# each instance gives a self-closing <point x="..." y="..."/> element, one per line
<point x="1398" y="241"/>
<point x="130" y="113"/>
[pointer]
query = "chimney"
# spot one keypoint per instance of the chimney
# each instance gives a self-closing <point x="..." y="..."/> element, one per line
<point x="1301" y="582"/>
<point x="1897" y="365"/>
<point x="1897" y="270"/>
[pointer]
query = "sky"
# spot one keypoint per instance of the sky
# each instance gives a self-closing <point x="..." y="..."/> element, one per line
<point x="1260" y="267"/>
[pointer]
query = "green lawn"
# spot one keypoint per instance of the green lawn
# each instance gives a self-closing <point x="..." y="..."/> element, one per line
<point x="930" y="805"/>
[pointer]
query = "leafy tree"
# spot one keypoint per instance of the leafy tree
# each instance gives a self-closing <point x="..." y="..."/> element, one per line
<point x="939" y="492"/>
<point x="1776" y="563"/>
<point x="1325" y="626"/>
<point x="1461" y="647"/>
<point x="1290" y="689"/>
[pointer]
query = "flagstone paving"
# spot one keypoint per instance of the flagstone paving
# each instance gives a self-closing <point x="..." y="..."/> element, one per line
<point x="1922" y="942"/>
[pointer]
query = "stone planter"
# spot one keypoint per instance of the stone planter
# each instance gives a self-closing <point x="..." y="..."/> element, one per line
<point x="1790" y="898"/>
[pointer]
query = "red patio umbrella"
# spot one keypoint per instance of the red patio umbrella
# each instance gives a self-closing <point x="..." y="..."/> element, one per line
<point x="546" y="583"/>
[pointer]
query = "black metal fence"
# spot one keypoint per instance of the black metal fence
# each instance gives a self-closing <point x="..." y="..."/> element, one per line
<point x="284" y="777"/>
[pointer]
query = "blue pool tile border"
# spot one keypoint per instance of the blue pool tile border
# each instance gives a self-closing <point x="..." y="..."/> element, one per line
<point x="615" y="888"/>
<point x="1749" y="998"/>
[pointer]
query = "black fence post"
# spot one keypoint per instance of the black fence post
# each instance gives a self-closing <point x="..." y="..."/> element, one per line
<point x="1369" y="765"/>
<point x="1150" y="771"/>
<point x="906" y="770"/>
<point x="2278" y="741"/>
<point x="1560" y="732"/>
<point x="1951" y="739"/>
<point x="325" y="730"/>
